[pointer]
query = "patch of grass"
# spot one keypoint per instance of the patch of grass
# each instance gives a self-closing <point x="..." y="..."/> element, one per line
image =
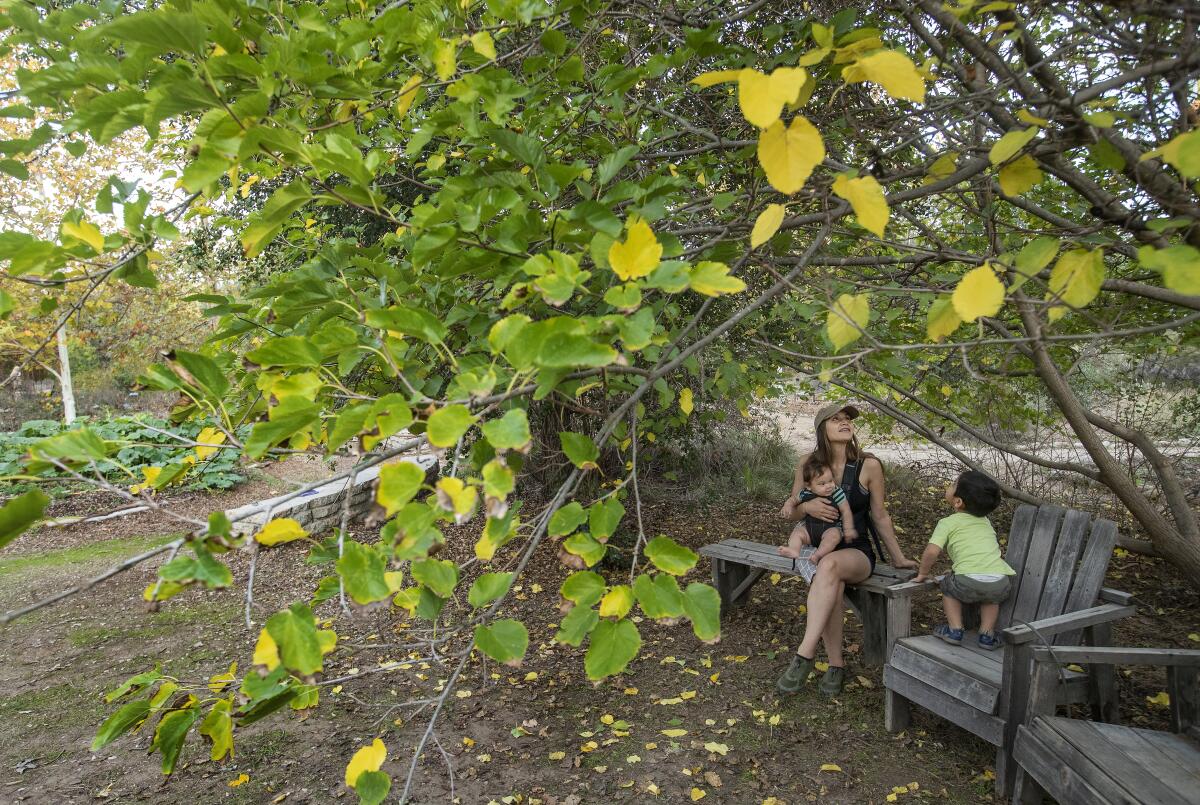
<point x="743" y="464"/>
<point x="63" y="705"/>
<point x="159" y="624"/>
<point x="106" y="551"/>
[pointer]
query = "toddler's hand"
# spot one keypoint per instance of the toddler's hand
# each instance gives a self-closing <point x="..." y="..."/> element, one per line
<point x="787" y="550"/>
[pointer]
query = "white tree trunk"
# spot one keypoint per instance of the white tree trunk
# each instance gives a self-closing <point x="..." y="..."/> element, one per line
<point x="64" y="376"/>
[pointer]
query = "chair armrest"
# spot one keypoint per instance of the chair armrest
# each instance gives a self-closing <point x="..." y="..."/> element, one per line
<point x="1027" y="633"/>
<point x="1117" y="655"/>
<point x="1110" y="596"/>
<point x="909" y="588"/>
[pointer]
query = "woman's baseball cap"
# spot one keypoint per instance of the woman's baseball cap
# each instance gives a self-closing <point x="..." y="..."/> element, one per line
<point x="830" y="410"/>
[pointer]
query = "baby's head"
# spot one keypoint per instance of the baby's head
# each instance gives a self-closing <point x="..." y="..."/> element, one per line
<point x="975" y="493"/>
<point x="818" y="477"/>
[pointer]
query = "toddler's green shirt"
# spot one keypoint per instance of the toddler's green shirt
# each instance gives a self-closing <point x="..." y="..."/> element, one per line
<point x="971" y="543"/>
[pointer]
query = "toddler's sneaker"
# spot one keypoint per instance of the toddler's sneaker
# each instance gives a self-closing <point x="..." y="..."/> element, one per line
<point x="988" y="641"/>
<point x="952" y="636"/>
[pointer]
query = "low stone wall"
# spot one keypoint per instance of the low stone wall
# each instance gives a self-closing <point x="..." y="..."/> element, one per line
<point x="319" y="510"/>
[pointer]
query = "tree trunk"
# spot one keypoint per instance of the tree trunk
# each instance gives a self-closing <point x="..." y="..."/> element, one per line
<point x="64" y="376"/>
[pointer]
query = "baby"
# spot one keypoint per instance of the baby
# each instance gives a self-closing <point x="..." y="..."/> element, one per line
<point x="819" y="483"/>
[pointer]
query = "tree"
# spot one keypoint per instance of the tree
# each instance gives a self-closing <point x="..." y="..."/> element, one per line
<point x="485" y="218"/>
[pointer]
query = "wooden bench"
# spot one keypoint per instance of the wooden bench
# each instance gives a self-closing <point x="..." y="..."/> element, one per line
<point x="1074" y="760"/>
<point x="738" y="563"/>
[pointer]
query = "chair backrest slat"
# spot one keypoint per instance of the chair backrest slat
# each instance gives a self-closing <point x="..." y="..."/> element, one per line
<point x="1062" y="566"/>
<point x="1018" y="543"/>
<point x="1089" y="577"/>
<point x="1031" y="574"/>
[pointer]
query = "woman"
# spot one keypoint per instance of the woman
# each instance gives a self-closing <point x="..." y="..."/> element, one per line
<point x="862" y="480"/>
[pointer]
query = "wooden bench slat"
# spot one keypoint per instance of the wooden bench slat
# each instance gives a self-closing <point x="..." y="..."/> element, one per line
<point x="986" y="726"/>
<point x="1039" y="761"/>
<point x="1116" y="761"/>
<point x="1177" y="764"/>
<point x="960" y="681"/>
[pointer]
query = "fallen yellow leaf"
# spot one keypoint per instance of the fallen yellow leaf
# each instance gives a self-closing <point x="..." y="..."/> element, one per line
<point x="720" y="749"/>
<point x="830" y="767"/>
<point x="557" y="755"/>
<point x="675" y="733"/>
<point x="698" y="794"/>
<point x="236" y="781"/>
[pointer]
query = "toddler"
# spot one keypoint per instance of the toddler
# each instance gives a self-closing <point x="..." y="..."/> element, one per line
<point x="819" y="483"/>
<point x="978" y="575"/>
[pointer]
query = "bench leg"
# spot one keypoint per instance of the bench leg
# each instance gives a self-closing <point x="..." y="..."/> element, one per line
<point x="733" y="580"/>
<point x="896" y="711"/>
<point x="1102" y="679"/>
<point x="872" y="611"/>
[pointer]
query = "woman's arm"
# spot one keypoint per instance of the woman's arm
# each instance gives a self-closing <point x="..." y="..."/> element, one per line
<point x="872" y="478"/>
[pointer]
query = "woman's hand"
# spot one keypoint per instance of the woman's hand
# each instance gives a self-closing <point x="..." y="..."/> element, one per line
<point x="821" y="509"/>
<point x="788" y="511"/>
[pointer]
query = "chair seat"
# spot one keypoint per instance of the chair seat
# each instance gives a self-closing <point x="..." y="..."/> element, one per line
<point x="1077" y="761"/>
<point x="968" y="673"/>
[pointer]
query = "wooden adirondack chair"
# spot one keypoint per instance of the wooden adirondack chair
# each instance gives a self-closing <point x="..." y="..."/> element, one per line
<point x="1060" y="557"/>
<point x="1081" y="761"/>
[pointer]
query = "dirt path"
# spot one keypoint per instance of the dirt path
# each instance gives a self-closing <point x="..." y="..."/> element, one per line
<point x="541" y="732"/>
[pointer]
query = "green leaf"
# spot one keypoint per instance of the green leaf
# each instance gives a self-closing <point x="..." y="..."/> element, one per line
<point x="349" y="423"/>
<point x="1179" y="266"/>
<point x="292" y="415"/>
<point x="498" y="480"/>
<point x="488" y="587"/>
<point x="439" y="575"/>
<point x="218" y="728"/>
<point x="566" y="519"/>
<point x="1076" y="279"/>
<point x="294" y="631"/>
<point x="659" y="596"/>
<point x="583" y="587"/>
<point x="505" y="641"/>
<point x="611" y="165"/>
<point x="942" y="319"/>
<point x="275" y="213"/>
<point x="576" y="625"/>
<point x="399" y="482"/>
<point x="583" y="546"/>
<point x="670" y="557"/>
<point x="523" y="148"/>
<point x="20" y="513"/>
<point x="372" y="787"/>
<point x="6" y="304"/>
<point x="703" y="607"/>
<point x="203" y="370"/>
<point x="604" y="517"/>
<point x="126" y="718"/>
<point x="447" y="424"/>
<point x="1007" y="146"/>
<point x="170" y="733"/>
<point x="509" y="432"/>
<point x="1033" y="258"/>
<point x="408" y="321"/>
<point x="362" y="568"/>
<point x="134" y="684"/>
<point x="290" y="352"/>
<point x="580" y="449"/>
<point x="713" y="279"/>
<point x="612" y="646"/>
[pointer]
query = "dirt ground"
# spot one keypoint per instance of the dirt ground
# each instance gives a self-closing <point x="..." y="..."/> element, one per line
<point x="542" y="732"/>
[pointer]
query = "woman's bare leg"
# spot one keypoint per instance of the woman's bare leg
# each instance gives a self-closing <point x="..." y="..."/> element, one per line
<point x="825" y="594"/>
<point x="832" y="636"/>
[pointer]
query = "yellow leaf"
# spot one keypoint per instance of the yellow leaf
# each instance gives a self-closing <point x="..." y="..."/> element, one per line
<point x="713" y="279"/>
<point x="280" y="530"/>
<point x="942" y="319"/>
<point x="468" y="742"/>
<point x="631" y="691"/>
<point x="445" y="59"/>
<point x="688" y="694"/>
<point x="762" y="97"/>
<point x="1076" y="279"/>
<point x="266" y="652"/>
<point x="942" y="167"/>
<point x="776" y="578"/>
<point x="788" y="155"/>
<point x="633" y="759"/>
<point x="617" y="602"/>
<point x="685" y="402"/>
<point x="557" y="755"/>
<point x="698" y="793"/>
<point x="239" y="780"/>
<point x="866" y="197"/>
<point x="638" y="254"/>
<point x="483" y="44"/>
<point x="149" y="476"/>
<point x="326" y="640"/>
<point x="892" y="797"/>
<point x="674" y="733"/>
<point x="893" y="71"/>
<point x="830" y="767"/>
<point x="775" y="720"/>
<point x="652" y="789"/>
<point x="767" y="224"/>
<point x="218" y="682"/>
<point x="1007" y="146"/>
<point x="1160" y="699"/>
<point x="1182" y="152"/>
<point x="1020" y="176"/>
<point x="404" y="101"/>
<point x="1076" y="668"/>
<point x="1025" y="116"/>
<point x="715" y="678"/>
<point x="705" y="80"/>
<point x="368" y="758"/>
<point x="86" y="232"/>
<point x="206" y="437"/>
<point x="1195" y="638"/>
<point x="979" y="293"/>
<point x="720" y="749"/>
<point x="847" y="318"/>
